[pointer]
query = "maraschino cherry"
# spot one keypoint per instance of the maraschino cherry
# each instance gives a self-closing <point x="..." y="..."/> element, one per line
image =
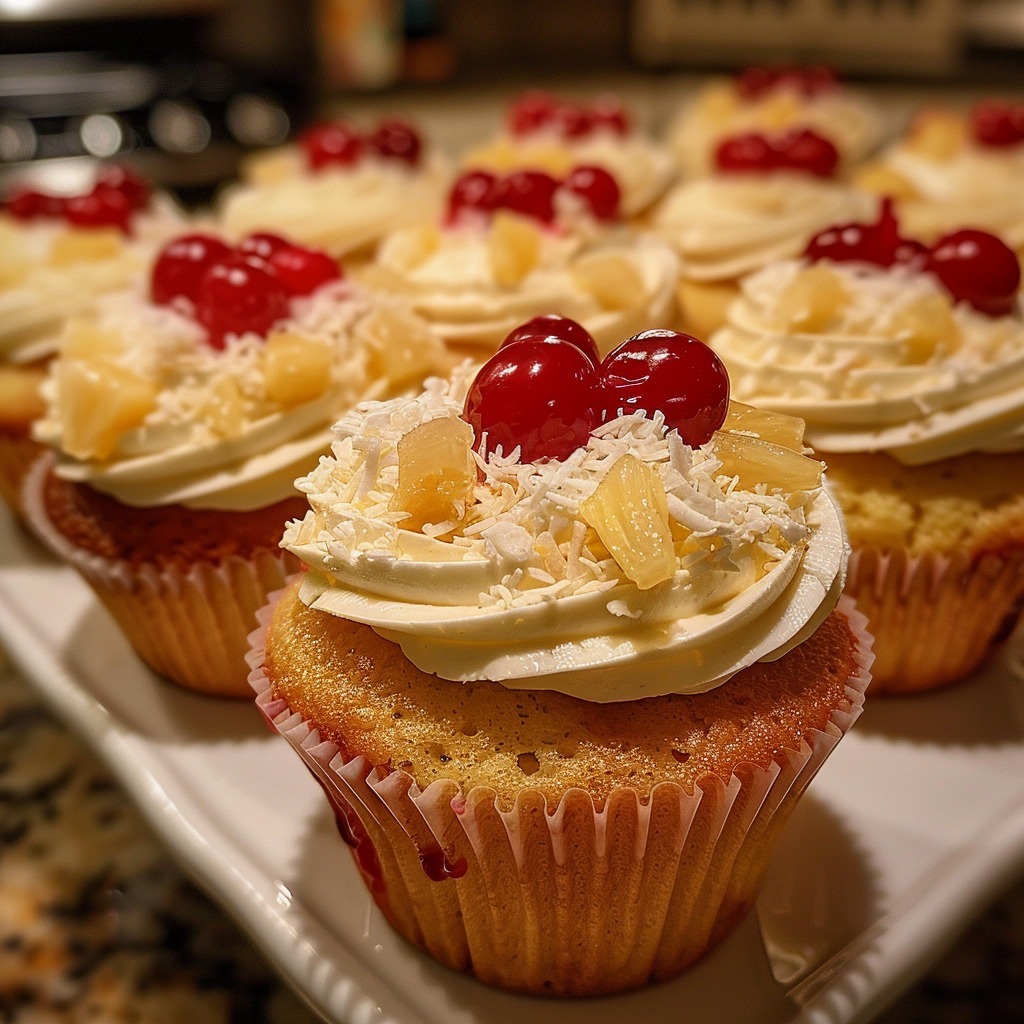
<point x="181" y="264"/>
<point x="536" y="110"/>
<point x="879" y="243"/>
<point x="813" y="80"/>
<point x="798" y="149"/>
<point x="996" y="124"/>
<point x="237" y="295"/>
<point x="340" y="144"/>
<point x="552" y="327"/>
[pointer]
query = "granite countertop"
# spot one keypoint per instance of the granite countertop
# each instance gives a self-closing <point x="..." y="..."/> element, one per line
<point x="97" y="923"/>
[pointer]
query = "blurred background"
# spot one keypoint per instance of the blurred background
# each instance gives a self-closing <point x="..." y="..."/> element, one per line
<point x="184" y="87"/>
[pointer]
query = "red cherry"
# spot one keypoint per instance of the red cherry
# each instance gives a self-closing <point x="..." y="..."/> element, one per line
<point x="334" y="143"/>
<point x="397" y="139"/>
<point x="302" y="271"/>
<point x="979" y="268"/>
<point x="531" y="111"/>
<point x="812" y="80"/>
<point x="598" y="188"/>
<point x="29" y="203"/>
<point x="531" y="193"/>
<point x="239" y="294"/>
<point x="878" y="243"/>
<point x="668" y="372"/>
<point x="100" y="208"/>
<point x="119" y="178"/>
<point x="753" y="82"/>
<point x="552" y="327"/>
<point x="805" y="150"/>
<point x="608" y="112"/>
<point x="181" y="264"/>
<point x="539" y="394"/>
<point x="473" y="190"/>
<point x="572" y="121"/>
<point x="997" y="124"/>
<point x="263" y="244"/>
<point x="747" y="152"/>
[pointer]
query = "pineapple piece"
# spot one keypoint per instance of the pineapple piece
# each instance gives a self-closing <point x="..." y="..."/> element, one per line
<point x="937" y="135"/>
<point x="629" y="511"/>
<point x="85" y="245"/>
<point x="225" y="410"/>
<point x="20" y="400"/>
<point x="610" y="278"/>
<point x="271" y="167"/>
<point x="436" y="472"/>
<point x="779" y="110"/>
<point x="98" y="401"/>
<point x="812" y="299"/>
<point x="503" y="155"/>
<point x="412" y="247"/>
<point x="760" y="462"/>
<point x="704" y="305"/>
<point x="880" y="180"/>
<point x="401" y="348"/>
<point x="498" y="156"/>
<point x="14" y="257"/>
<point x="719" y="102"/>
<point x="296" y="369"/>
<point x="513" y="247"/>
<point x="84" y="339"/>
<point x="927" y="326"/>
<point x="776" y="427"/>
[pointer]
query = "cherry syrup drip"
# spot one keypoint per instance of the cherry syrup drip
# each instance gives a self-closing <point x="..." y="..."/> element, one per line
<point x="235" y="290"/>
<point x="437" y="867"/>
<point x="973" y="266"/>
<point x="799" y="149"/>
<point x="545" y="389"/>
<point x="117" y="194"/>
<point x="339" y="144"/>
<point x="538" y="110"/>
<point x="534" y="193"/>
<point x="352" y="832"/>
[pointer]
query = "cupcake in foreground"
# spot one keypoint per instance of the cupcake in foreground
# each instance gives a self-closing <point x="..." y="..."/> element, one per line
<point x="767" y="194"/>
<point x="548" y="133"/>
<point x="562" y="666"/>
<point x="180" y="413"/>
<point x="773" y="99"/>
<point x="527" y="243"/>
<point x="57" y="254"/>
<point x="907" y="363"/>
<point x="339" y="187"/>
<point x="955" y="168"/>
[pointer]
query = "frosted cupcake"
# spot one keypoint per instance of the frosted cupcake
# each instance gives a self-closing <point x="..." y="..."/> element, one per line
<point x="953" y="169"/>
<point x="179" y="414"/>
<point x="528" y="243"/>
<point x="767" y="194"/>
<point x="908" y="365"/>
<point x="57" y="254"/>
<point x="772" y="100"/>
<point x="339" y="188"/>
<point x="563" y="679"/>
<point x="547" y="133"/>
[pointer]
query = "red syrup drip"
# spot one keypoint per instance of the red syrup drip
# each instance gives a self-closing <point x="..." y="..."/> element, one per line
<point x="351" y="830"/>
<point x="437" y="867"/>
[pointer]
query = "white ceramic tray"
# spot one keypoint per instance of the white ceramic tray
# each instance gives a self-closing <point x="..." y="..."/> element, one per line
<point x="912" y="826"/>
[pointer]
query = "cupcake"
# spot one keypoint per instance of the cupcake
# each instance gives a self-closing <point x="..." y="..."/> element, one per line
<point x="765" y="99"/>
<point x="337" y="187"/>
<point x="179" y="413"/>
<point x="547" y="133"/>
<point x="528" y="243"/>
<point x="953" y="168"/>
<point x="57" y="254"/>
<point x="561" y="666"/>
<point x="767" y="194"/>
<point x="907" y="363"/>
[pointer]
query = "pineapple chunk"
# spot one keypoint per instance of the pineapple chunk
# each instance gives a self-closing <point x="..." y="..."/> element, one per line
<point x="504" y="155"/>
<point x="14" y="261"/>
<point x="225" y="410"/>
<point x="296" y="369"/>
<point x="812" y="299"/>
<point x="880" y="180"/>
<point x="436" y="472"/>
<point x="719" y="102"/>
<point x="400" y="346"/>
<point x="98" y="402"/>
<point x="270" y="168"/>
<point x="779" y="110"/>
<point x="84" y="339"/>
<point x="84" y="245"/>
<point x="704" y="305"/>
<point x="411" y="248"/>
<point x="612" y="280"/>
<point x="776" y="427"/>
<point x="629" y="511"/>
<point x="927" y="326"/>
<point x="20" y="400"/>
<point x="513" y="247"/>
<point x="760" y="462"/>
<point x="937" y="135"/>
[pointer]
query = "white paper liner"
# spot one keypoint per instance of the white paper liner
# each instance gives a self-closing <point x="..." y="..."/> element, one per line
<point x="570" y="900"/>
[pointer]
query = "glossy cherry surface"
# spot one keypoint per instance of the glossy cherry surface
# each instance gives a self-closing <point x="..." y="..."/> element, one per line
<point x="181" y="265"/>
<point x="804" y="149"/>
<point x="879" y="243"/>
<point x="978" y="268"/>
<point x="538" y="394"/>
<point x="472" y="190"/>
<point x="531" y="111"/>
<point x="668" y="372"/>
<point x="597" y="188"/>
<point x="812" y="80"/>
<point x="528" y="192"/>
<point x="552" y="327"/>
<point x="331" y="143"/>
<point x="263" y="244"/>
<point x="238" y="294"/>
<point x="302" y="271"/>
<point x="997" y="124"/>
<point x="745" y="152"/>
<point x="100" y="208"/>
<point x="799" y="149"/>
<point x="118" y="178"/>
<point x="398" y="139"/>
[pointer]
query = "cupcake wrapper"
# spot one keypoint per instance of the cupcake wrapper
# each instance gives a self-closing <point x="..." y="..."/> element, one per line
<point x="935" y="618"/>
<point x="17" y="454"/>
<point x="569" y="900"/>
<point x="188" y="626"/>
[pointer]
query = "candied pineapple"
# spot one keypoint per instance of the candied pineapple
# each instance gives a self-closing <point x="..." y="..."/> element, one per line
<point x="719" y="102"/>
<point x="776" y="427"/>
<point x="926" y="326"/>
<point x="436" y="472"/>
<point x="84" y="245"/>
<point x="513" y="247"/>
<point x="880" y="180"/>
<point x="270" y="168"/>
<point x="14" y="261"/>
<point x="812" y="299"/>
<point x="20" y="399"/>
<point x="503" y="156"/>
<point x="224" y="412"/>
<point x="296" y="368"/>
<point x="401" y="347"/>
<point x="98" y="402"/>
<point x="84" y="339"/>
<point x="778" y="110"/>
<point x="612" y="280"/>
<point x="412" y="247"/>
<point x="755" y="462"/>
<point x="937" y="135"/>
<point x="629" y="511"/>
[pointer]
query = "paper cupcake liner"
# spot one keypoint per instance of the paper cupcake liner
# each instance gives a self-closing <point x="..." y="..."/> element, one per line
<point x="568" y="900"/>
<point x="17" y="453"/>
<point x="935" y="618"/>
<point x="190" y="626"/>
